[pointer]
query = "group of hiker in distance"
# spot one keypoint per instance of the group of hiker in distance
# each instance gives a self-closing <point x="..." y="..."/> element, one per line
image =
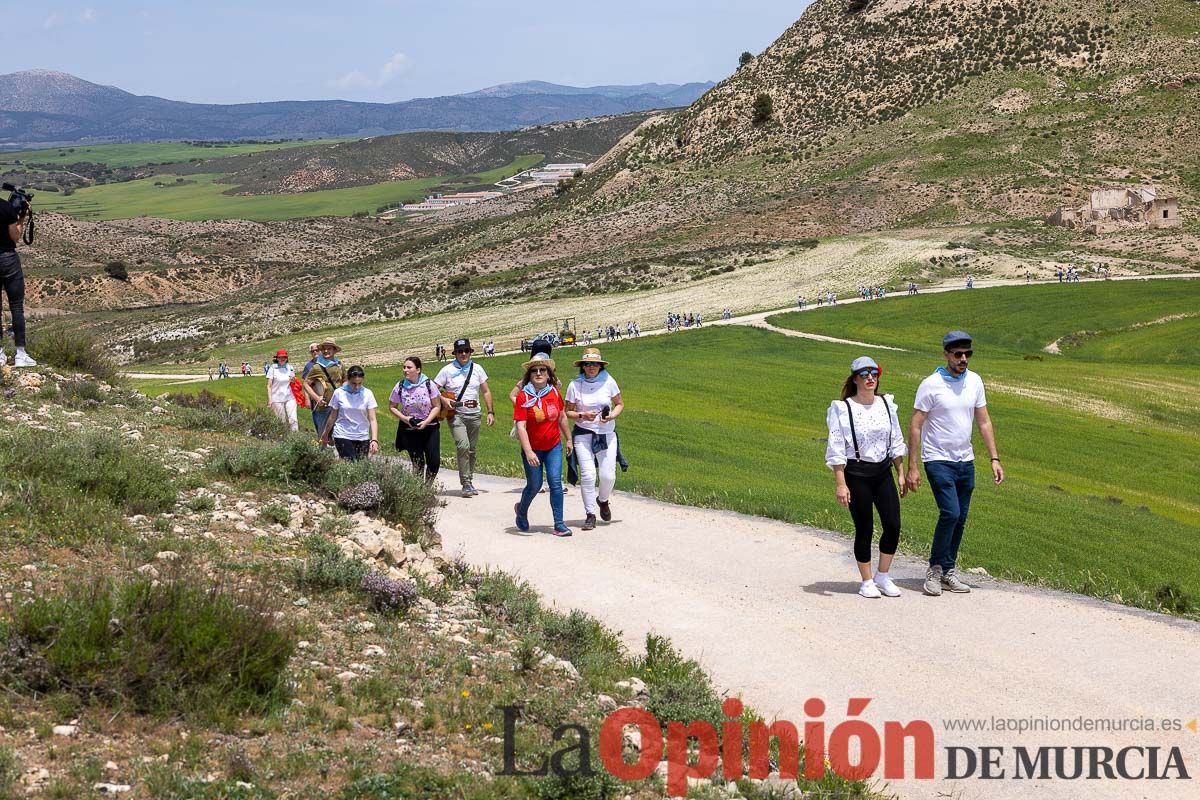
<point x="865" y="443"/>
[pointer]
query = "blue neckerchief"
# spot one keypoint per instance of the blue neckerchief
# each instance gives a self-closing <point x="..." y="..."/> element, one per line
<point x="407" y="384"/>
<point x="324" y="362"/>
<point x="534" y="396"/>
<point x="351" y="390"/>
<point x="950" y="376"/>
<point x="601" y="377"/>
<point x="463" y="369"/>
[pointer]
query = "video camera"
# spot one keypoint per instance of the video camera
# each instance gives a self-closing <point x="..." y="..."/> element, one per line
<point x="22" y="203"/>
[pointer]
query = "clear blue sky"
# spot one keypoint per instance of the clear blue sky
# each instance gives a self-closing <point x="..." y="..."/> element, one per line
<point x="223" y="51"/>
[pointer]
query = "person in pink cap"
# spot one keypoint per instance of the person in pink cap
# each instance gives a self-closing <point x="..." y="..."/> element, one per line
<point x="279" y="389"/>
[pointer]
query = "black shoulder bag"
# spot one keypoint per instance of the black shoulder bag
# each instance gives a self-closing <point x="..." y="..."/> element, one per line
<point x="868" y="469"/>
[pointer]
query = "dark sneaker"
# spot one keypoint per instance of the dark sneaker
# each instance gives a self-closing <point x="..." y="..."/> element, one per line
<point x="564" y="531"/>
<point x="605" y="511"/>
<point x="589" y="524"/>
<point x="522" y="520"/>
<point x="933" y="580"/>
<point x="469" y="491"/>
<point x="952" y="583"/>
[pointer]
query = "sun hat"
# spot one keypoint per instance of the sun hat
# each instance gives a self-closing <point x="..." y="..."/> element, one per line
<point x="281" y="354"/>
<point x="463" y="346"/>
<point x="591" y="356"/>
<point x="542" y="359"/>
<point x="331" y="343"/>
<point x="956" y="337"/>
<point x="864" y="362"/>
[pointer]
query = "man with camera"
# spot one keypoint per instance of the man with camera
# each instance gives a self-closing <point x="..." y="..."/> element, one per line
<point x="13" y="218"/>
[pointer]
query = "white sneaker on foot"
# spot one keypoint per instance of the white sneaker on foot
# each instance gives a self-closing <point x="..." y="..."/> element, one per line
<point x="887" y="586"/>
<point x="23" y="360"/>
<point x="868" y="589"/>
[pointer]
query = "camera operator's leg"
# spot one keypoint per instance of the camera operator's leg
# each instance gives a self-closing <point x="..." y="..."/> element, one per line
<point x="12" y="279"/>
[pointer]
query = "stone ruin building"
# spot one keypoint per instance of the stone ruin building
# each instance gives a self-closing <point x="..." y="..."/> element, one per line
<point x="1112" y="209"/>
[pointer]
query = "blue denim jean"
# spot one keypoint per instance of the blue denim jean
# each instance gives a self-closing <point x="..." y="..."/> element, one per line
<point x="319" y="417"/>
<point x="952" y="483"/>
<point x="552" y="463"/>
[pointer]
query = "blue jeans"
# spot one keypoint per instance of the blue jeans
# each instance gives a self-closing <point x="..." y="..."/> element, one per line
<point x="952" y="483"/>
<point x="319" y="417"/>
<point x="552" y="463"/>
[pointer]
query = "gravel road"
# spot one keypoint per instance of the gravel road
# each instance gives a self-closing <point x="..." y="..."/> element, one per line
<point x="770" y="610"/>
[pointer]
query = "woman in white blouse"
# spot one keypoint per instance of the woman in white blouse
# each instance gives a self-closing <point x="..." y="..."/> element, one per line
<point x="865" y="443"/>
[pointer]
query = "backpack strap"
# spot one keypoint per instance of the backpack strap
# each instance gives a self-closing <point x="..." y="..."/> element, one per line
<point x="853" y="434"/>
<point x="466" y="383"/>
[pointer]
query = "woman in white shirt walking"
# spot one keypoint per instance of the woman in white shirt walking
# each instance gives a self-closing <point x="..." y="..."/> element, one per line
<point x="865" y="443"/>
<point x="594" y="402"/>
<point x="279" y="389"/>
<point x="352" y="424"/>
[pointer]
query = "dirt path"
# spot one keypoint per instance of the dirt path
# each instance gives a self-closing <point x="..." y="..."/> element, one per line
<point x="770" y="609"/>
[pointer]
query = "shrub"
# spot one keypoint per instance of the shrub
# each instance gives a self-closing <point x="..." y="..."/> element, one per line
<point x="202" y="504"/>
<point x="327" y="568"/>
<point x="76" y="351"/>
<point x="206" y="411"/>
<point x="389" y="596"/>
<point x="460" y="281"/>
<point x="117" y="269"/>
<point x="745" y="58"/>
<point x="180" y="646"/>
<point x="296" y="460"/>
<point x="762" y="110"/>
<point x="679" y="690"/>
<point x="276" y="512"/>
<point x="405" y="498"/>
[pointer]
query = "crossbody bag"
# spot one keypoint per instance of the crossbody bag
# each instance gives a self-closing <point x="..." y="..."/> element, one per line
<point x="868" y="469"/>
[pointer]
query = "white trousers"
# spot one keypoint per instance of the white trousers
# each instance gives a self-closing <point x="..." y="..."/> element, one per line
<point x="287" y="412"/>
<point x="587" y="470"/>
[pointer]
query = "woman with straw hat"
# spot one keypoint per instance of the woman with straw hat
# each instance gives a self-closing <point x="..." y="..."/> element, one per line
<point x="865" y="443"/>
<point x="323" y="380"/>
<point x="544" y="435"/>
<point x="594" y="402"/>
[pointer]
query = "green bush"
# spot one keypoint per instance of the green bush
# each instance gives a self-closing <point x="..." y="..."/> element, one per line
<point x="206" y="411"/>
<point x="180" y="646"/>
<point x="76" y="351"/>
<point x="296" y="462"/>
<point x="43" y="472"/>
<point x="407" y="500"/>
<point x="117" y="269"/>
<point x="276" y="512"/>
<point x="679" y="689"/>
<point x="326" y="568"/>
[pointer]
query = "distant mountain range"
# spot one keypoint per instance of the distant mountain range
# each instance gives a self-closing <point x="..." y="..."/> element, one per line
<point x="43" y="107"/>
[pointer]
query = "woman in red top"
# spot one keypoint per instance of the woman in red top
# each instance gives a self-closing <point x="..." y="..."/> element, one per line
<point x="542" y="429"/>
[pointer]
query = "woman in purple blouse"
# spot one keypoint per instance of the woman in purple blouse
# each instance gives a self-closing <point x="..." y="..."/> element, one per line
<point x="415" y="401"/>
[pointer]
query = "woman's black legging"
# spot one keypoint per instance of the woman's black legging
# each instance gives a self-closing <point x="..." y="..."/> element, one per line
<point x="424" y="447"/>
<point x="880" y="492"/>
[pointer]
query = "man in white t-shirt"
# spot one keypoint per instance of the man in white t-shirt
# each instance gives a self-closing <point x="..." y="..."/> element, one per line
<point x="279" y="389"/>
<point x="948" y="403"/>
<point x="465" y="380"/>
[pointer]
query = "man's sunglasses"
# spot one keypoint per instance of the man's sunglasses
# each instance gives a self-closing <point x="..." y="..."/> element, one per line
<point x="868" y="373"/>
<point x="962" y="353"/>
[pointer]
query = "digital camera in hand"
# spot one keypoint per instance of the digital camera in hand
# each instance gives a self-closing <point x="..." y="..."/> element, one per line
<point x="19" y="199"/>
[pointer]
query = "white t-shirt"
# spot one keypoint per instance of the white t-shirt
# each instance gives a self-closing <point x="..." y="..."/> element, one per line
<point x="450" y="378"/>
<point x="946" y="434"/>
<point x="279" y="376"/>
<point x="876" y="426"/>
<point x="593" y="397"/>
<point x="352" y="421"/>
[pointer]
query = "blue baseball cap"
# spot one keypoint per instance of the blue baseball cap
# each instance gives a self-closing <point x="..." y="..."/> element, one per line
<point x="956" y="337"/>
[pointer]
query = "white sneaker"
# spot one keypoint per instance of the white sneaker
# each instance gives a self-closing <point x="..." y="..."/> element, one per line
<point x="868" y="589"/>
<point x="23" y="360"/>
<point x="886" y="586"/>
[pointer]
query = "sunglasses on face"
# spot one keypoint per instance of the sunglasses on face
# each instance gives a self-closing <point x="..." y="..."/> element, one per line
<point x="537" y="370"/>
<point x="590" y="364"/>
<point x="963" y="353"/>
<point x="868" y="373"/>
